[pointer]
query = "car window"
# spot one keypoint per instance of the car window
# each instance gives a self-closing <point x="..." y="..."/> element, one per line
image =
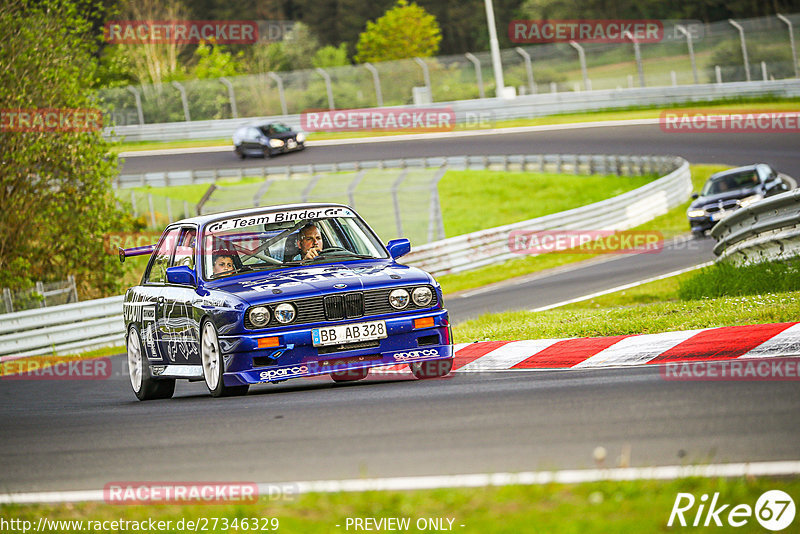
<point x="184" y="252"/>
<point x="731" y="182"/>
<point x="157" y="273"/>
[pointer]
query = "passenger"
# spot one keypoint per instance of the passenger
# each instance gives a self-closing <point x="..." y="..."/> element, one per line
<point x="222" y="262"/>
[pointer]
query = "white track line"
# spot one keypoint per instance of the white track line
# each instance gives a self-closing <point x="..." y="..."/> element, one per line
<point x="567" y="476"/>
<point x="622" y="287"/>
<point x="406" y="137"/>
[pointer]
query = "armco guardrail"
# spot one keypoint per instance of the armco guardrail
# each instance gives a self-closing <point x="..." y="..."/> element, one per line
<point x="624" y="211"/>
<point x="525" y="106"/>
<point x="71" y="327"/>
<point x="97" y="323"/>
<point x="765" y="231"/>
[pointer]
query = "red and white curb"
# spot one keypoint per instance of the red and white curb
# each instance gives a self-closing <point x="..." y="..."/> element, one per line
<point x="709" y="344"/>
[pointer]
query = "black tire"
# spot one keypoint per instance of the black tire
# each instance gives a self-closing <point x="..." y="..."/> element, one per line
<point x="431" y="369"/>
<point x="145" y="386"/>
<point x="213" y="364"/>
<point x="698" y="235"/>
<point x="351" y="375"/>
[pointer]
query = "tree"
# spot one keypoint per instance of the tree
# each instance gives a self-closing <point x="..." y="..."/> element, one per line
<point x="151" y="61"/>
<point x="405" y="31"/>
<point x="213" y="61"/>
<point x="331" y="56"/>
<point x="56" y="202"/>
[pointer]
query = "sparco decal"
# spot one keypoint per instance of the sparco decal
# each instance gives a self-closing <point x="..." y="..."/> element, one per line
<point x="284" y="372"/>
<point x="415" y="354"/>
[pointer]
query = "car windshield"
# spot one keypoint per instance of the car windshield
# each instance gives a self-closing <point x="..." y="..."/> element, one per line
<point x="730" y="182"/>
<point x="276" y="239"/>
<point x="275" y="128"/>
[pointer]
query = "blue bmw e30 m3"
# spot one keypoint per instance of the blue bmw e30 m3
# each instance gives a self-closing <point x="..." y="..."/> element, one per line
<point x="267" y="294"/>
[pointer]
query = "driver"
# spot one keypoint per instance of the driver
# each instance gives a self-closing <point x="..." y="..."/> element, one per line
<point x="309" y="241"/>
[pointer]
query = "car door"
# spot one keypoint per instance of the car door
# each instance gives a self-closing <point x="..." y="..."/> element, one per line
<point x="251" y="140"/>
<point x="180" y="332"/>
<point x="154" y="281"/>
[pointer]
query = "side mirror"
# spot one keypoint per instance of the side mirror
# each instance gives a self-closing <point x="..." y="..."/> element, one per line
<point x="181" y="275"/>
<point x="398" y="247"/>
<point x="694" y="196"/>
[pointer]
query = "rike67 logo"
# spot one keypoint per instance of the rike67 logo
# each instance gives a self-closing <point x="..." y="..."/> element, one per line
<point x="774" y="510"/>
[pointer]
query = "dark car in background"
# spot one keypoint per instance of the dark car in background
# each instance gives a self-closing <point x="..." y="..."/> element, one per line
<point x="727" y="191"/>
<point x="267" y="140"/>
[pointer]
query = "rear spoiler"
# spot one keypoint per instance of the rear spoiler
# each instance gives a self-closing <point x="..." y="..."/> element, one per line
<point x="135" y="251"/>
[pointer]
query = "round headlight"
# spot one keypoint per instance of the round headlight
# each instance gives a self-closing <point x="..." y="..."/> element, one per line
<point x="398" y="298"/>
<point x="422" y="296"/>
<point x="275" y="143"/>
<point x="285" y="313"/>
<point x="259" y="316"/>
<point x="301" y="137"/>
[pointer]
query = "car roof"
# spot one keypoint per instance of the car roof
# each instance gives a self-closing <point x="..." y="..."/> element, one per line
<point x="201" y="220"/>
<point x="737" y="170"/>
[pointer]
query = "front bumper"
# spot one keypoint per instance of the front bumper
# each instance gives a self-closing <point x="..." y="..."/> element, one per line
<point x="295" y="355"/>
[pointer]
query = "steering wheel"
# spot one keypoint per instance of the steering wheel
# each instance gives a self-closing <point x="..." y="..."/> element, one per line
<point x="330" y="249"/>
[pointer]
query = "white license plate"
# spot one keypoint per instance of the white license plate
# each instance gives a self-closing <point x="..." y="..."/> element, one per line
<point x="348" y="333"/>
<point x="291" y="143"/>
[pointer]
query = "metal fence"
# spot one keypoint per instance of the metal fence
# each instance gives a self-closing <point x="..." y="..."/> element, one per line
<point x="705" y="53"/>
<point x="61" y="329"/>
<point x="764" y="231"/>
<point x="42" y="295"/>
<point x="396" y="202"/>
<point x="487" y="111"/>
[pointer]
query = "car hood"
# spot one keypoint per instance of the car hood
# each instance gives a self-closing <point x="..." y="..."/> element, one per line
<point x="283" y="135"/>
<point x="722" y="197"/>
<point x="308" y="281"/>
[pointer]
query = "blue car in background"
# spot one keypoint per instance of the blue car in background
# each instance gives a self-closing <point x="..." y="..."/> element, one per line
<point x="268" y="294"/>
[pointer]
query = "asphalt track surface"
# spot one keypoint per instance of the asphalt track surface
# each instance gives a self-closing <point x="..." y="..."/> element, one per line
<point x="67" y="435"/>
<point x="778" y="149"/>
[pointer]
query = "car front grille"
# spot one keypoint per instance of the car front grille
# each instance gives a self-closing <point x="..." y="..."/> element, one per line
<point x="726" y="205"/>
<point x="343" y="306"/>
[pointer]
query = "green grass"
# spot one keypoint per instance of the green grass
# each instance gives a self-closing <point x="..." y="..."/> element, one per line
<point x="715" y="296"/>
<point x="725" y="279"/>
<point x="638" y="112"/>
<point x="601" y="507"/>
<point x="641" y="318"/>
<point x="671" y="224"/>
<point x="39" y="362"/>
<point x="476" y="200"/>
